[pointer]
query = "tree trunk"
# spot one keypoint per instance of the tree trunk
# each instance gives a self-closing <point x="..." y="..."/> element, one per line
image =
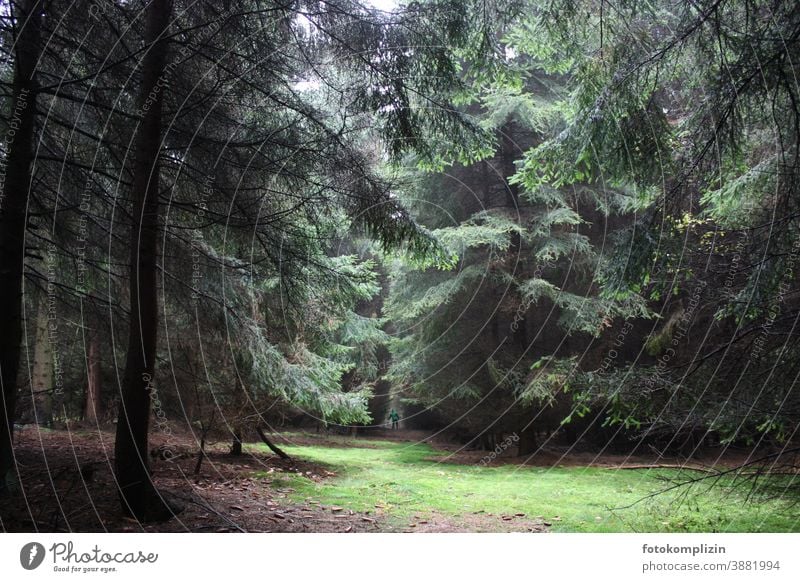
<point x="93" y="409"/>
<point x="272" y="446"/>
<point x="527" y="442"/>
<point x="42" y="375"/>
<point x="236" y="447"/>
<point x="13" y="208"/>
<point x="486" y="442"/>
<point x="138" y="495"/>
<point x="201" y="454"/>
<point x="204" y="430"/>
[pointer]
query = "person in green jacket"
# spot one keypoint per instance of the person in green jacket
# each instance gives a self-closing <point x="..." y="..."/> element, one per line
<point x="394" y="417"/>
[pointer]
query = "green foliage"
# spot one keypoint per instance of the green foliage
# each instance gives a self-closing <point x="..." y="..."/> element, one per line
<point x="490" y="230"/>
<point x="550" y="377"/>
<point x="303" y="379"/>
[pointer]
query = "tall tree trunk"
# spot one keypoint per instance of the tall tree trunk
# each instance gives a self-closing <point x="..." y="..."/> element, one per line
<point x="137" y="493"/>
<point x="93" y="408"/>
<point x="13" y="207"/>
<point x="42" y="374"/>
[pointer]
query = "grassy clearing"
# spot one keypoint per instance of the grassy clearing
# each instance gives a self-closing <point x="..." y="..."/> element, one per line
<point x="405" y="480"/>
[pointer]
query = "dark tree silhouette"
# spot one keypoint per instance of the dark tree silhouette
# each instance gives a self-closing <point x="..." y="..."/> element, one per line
<point x="138" y="495"/>
<point x="13" y="214"/>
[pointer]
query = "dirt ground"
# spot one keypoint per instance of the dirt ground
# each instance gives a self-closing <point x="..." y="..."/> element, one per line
<point x="67" y="485"/>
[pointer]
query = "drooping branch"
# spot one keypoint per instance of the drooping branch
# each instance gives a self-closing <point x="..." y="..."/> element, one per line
<point x="272" y="446"/>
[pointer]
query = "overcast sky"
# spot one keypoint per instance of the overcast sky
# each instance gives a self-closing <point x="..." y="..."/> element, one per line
<point x="383" y="4"/>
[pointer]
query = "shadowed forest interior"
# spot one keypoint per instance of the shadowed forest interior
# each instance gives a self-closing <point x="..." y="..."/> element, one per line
<point x="442" y="265"/>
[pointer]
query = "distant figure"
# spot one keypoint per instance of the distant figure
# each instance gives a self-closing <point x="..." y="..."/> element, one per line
<point x="394" y="417"/>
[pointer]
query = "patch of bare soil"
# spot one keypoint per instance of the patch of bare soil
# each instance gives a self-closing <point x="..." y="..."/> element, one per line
<point x="67" y="485"/>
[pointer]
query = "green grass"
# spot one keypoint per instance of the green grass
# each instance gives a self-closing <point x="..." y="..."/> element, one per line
<point x="407" y="480"/>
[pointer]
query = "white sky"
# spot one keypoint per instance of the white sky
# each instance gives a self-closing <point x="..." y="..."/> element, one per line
<point x="386" y="5"/>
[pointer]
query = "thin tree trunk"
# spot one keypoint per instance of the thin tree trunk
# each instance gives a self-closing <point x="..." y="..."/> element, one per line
<point x="204" y="430"/>
<point x="138" y="495"/>
<point x="272" y="446"/>
<point x="236" y="447"/>
<point x="93" y="409"/>
<point x="201" y="454"/>
<point x="13" y="208"/>
<point x="42" y="375"/>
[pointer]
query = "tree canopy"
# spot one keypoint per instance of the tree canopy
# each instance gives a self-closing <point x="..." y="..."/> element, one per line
<point x="557" y="219"/>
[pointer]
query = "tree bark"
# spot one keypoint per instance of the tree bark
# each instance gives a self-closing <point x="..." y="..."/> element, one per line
<point x="42" y="375"/>
<point x="13" y="209"/>
<point x="236" y="447"/>
<point x="272" y="446"/>
<point x="204" y="430"/>
<point x="93" y="408"/>
<point x="138" y="495"/>
<point x="527" y="442"/>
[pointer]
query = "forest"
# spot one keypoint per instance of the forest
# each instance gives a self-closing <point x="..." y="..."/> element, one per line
<point x="389" y="266"/>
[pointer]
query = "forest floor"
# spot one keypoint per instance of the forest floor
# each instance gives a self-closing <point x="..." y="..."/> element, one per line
<point x="389" y="483"/>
